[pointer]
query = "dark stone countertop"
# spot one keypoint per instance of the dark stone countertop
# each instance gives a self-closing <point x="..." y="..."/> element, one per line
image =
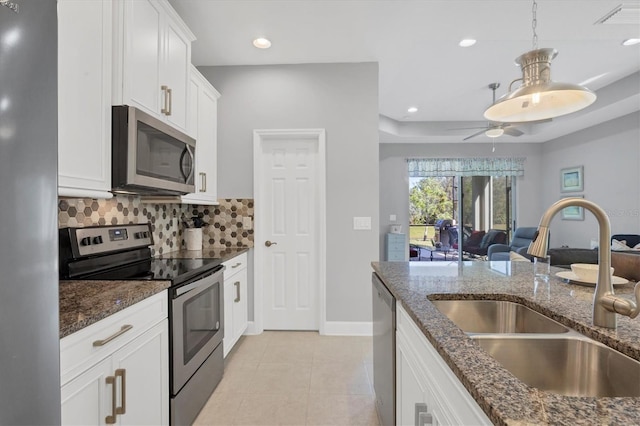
<point x="505" y="399"/>
<point x="84" y="302"/>
<point x="224" y="253"/>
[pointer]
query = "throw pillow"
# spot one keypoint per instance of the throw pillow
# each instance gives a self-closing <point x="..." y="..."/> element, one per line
<point x="619" y="245"/>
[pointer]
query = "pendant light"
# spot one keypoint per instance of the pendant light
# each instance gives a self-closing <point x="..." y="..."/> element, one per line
<point x="538" y="98"/>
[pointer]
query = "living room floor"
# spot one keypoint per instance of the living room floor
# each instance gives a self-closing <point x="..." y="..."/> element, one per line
<point x="295" y="378"/>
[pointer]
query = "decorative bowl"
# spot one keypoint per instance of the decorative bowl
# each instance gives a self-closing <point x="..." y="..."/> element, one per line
<point x="586" y="271"/>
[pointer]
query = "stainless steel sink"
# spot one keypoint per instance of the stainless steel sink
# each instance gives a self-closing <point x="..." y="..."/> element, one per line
<point x="572" y="366"/>
<point x="494" y="316"/>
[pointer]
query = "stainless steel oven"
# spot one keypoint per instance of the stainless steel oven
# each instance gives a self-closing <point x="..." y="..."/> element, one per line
<point x="196" y="300"/>
<point x="196" y="344"/>
<point x="149" y="156"/>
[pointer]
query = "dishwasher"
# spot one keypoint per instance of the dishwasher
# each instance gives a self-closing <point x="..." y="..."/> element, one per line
<point x="384" y="351"/>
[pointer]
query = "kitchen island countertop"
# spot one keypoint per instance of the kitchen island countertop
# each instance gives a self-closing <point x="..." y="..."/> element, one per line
<point x="505" y="399"/>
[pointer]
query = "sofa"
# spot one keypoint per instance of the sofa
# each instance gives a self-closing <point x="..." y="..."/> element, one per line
<point x="626" y="263"/>
<point x="478" y="243"/>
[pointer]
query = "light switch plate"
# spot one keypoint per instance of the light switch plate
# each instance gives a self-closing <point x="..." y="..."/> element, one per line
<point x="362" y="223"/>
<point x="246" y="222"/>
<point x="392" y="217"/>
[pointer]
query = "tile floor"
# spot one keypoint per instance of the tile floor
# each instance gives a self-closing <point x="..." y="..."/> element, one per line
<point x="295" y="378"/>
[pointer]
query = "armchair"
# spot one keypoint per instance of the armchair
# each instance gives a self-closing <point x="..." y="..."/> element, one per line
<point x="522" y="237"/>
<point x="479" y="248"/>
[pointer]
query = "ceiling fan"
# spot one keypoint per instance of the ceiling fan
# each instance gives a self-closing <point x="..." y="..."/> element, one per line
<point x="495" y="129"/>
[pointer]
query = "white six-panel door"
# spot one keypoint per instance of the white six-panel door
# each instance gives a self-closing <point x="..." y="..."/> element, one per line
<point x="288" y="202"/>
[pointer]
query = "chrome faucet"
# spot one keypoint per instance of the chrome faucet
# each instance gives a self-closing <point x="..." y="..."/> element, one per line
<point x="605" y="303"/>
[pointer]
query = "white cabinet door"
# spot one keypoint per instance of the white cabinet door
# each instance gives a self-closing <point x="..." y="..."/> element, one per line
<point x="422" y="376"/>
<point x="239" y="283"/>
<point x="228" y="340"/>
<point x="142" y="47"/>
<point x="152" y="56"/>
<point x="86" y="400"/>
<point x="142" y="370"/>
<point x="175" y="74"/>
<point x="235" y="301"/>
<point x="203" y="125"/>
<point x="408" y="387"/>
<point x="84" y="98"/>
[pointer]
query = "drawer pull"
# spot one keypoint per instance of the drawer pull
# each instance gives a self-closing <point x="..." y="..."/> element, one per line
<point x="122" y="330"/>
<point x="236" y="265"/>
<point x="111" y="419"/>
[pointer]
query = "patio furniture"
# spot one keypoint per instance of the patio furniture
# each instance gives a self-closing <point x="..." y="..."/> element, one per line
<point x="473" y="247"/>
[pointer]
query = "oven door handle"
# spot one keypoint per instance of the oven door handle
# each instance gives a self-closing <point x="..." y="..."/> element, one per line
<point x="196" y="283"/>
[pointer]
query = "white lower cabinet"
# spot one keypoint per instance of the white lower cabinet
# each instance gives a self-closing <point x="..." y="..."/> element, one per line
<point x="235" y="301"/>
<point x="427" y="391"/>
<point x="124" y="380"/>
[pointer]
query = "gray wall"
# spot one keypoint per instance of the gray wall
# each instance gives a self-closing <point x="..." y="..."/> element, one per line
<point x="610" y="155"/>
<point x="341" y="98"/>
<point x="394" y="181"/>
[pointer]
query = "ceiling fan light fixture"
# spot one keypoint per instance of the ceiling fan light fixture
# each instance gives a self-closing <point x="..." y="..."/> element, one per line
<point x="539" y="98"/>
<point x="495" y="132"/>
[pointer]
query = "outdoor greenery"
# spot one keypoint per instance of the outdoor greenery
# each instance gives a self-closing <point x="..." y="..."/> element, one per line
<point x="431" y="199"/>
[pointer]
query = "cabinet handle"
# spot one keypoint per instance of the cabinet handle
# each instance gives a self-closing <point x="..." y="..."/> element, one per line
<point x="165" y="109"/>
<point x="203" y="182"/>
<point x="425" y="419"/>
<point x="422" y="418"/>
<point x="237" y="284"/>
<point x="122" y="373"/>
<point x="120" y="332"/>
<point x="236" y="265"/>
<point x="110" y="420"/>
<point x="170" y="93"/>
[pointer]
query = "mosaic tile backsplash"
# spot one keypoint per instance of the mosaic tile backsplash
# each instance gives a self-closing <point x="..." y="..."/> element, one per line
<point x="225" y="221"/>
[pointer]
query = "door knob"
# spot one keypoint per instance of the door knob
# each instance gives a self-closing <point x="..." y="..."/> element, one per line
<point x="269" y="243"/>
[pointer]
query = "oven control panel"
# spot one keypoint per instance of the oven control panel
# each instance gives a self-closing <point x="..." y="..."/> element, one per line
<point x="96" y="240"/>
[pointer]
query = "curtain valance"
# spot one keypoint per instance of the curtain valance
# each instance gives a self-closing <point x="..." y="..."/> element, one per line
<point x="425" y="167"/>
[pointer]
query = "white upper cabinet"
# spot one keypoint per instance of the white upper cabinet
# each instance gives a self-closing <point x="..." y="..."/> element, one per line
<point x="152" y="58"/>
<point x="84" y="98"/>
<point x="202" y="123"/>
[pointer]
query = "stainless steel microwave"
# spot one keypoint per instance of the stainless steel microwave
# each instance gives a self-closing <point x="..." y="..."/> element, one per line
<point x="149" y="157"/>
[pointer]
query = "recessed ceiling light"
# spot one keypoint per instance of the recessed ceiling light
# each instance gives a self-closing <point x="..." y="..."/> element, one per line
<point x="262" y="43"/>
<point x="631" y="41"/>
<point x="467" y="42"/>
<point x="412" y="109"/>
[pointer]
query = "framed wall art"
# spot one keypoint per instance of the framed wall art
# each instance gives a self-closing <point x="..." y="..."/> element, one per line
<point x="572" y="179"/>
<point x="573" y="212"/>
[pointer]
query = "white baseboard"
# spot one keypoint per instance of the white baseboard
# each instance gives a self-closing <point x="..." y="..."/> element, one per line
<point x="344" y="328"/>
<point x="251" y="329"/>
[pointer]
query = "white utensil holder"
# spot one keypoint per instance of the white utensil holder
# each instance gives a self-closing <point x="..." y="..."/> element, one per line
<point x="193" y="238"/>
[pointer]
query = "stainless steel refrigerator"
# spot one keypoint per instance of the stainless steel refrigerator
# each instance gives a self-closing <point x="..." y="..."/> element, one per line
<point x="29" y="343"/>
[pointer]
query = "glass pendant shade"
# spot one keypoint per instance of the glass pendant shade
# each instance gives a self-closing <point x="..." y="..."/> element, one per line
<point x="539" y="98"/>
